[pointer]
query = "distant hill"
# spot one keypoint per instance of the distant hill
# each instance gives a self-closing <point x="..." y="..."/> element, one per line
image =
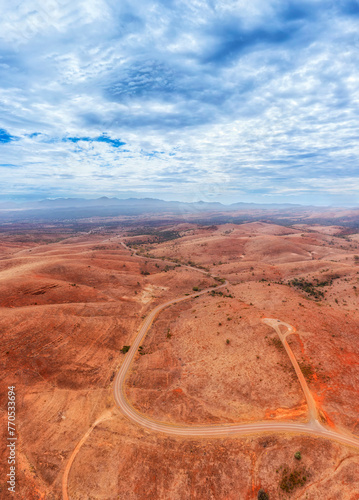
<point x="75" y="210"/>
<point x="140" y="205"/>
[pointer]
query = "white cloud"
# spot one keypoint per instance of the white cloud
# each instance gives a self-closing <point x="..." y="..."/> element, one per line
<point x="259" y="97"/>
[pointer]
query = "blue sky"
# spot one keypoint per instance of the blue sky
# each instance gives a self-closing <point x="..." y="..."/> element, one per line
<point x="214" y="100"/>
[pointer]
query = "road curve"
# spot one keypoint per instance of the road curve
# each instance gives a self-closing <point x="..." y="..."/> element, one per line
<point x="275" y="323"/>
<point x="105" y="416"/>
<point x="313" y="427"/>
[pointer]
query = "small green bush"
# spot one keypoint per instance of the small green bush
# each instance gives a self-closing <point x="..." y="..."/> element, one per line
<point x="262" y="495"/>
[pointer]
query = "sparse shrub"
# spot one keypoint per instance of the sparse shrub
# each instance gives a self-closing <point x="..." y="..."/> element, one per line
<point x="195" y="288"/>
<point x="297" y="455"/>
<point x="262" y="495"/>
<point x="227" y="341"/>
<point x="309" y="287"/>
<point x="125" y="349"/>
<point x="277" y="343"/>
<point x="292" y="479"/>
<point x="306" y="369"/>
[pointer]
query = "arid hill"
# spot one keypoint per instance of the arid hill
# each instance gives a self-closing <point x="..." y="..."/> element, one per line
<point x="71" y="300"/>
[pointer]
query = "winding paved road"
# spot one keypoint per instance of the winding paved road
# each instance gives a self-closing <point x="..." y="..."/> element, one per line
<point x="313" y="427"/>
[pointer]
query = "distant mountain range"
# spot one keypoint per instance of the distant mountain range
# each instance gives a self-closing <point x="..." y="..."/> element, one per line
<point x="82" y="211"/>
<point x="143" y="205"/>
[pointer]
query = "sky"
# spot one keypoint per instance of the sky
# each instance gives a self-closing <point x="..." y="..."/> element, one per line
<point x="253" y="101"/>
